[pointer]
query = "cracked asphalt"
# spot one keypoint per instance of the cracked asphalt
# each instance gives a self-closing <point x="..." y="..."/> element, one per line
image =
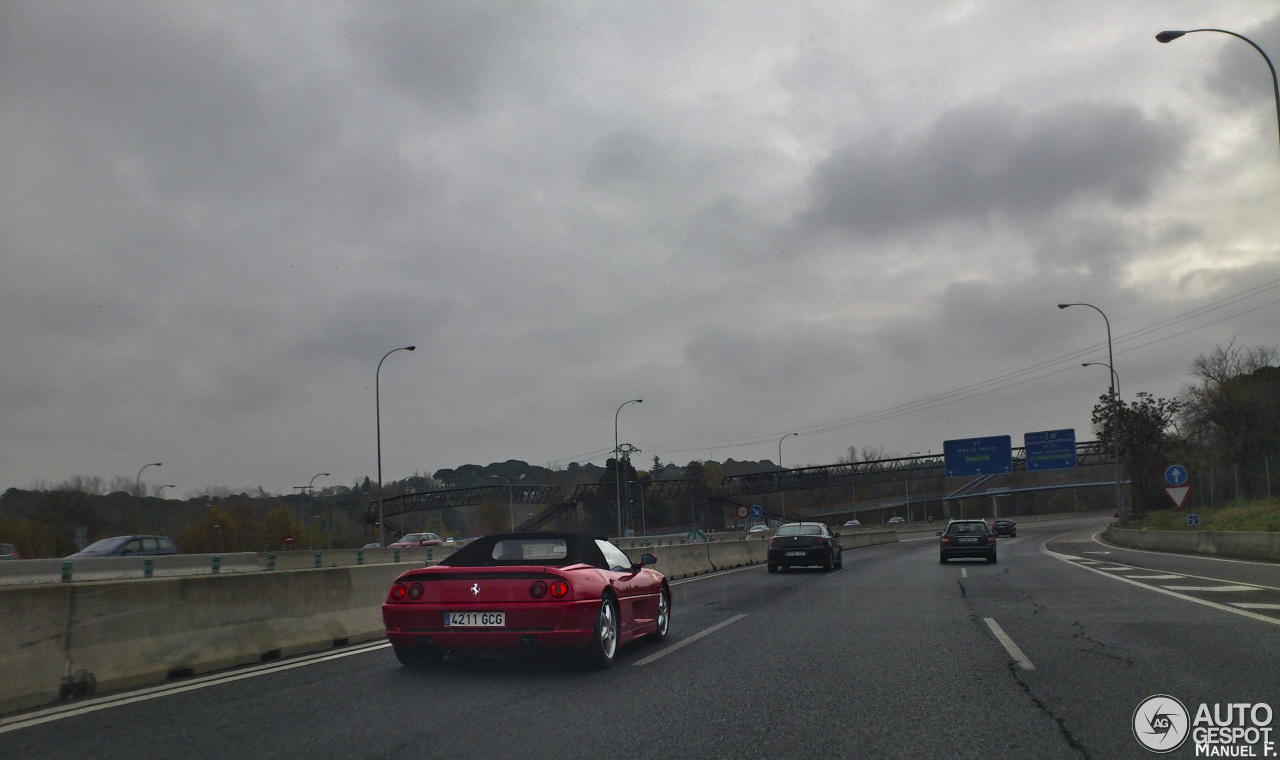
<point x="891" y="657"/>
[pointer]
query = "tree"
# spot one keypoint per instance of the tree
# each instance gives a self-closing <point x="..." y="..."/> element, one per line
<point x="1147" y="438"/>
<point x="278" y="524"/>
<point x="215" y="532"/>
<point x="1233" y="414"/>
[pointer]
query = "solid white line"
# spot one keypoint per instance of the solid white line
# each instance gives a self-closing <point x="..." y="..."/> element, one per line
<point x="1212" y="588"/>
<point x="1157" y="577"/>
<point x="80" y="708"/>
<point x="1009" y="646"/>
<point x="690" y="640"/>
<point x="716" y="574"/>
<point x="1068" y="559"/>
<point x="1256" y="605"/>
<point x="1100" y="542"/>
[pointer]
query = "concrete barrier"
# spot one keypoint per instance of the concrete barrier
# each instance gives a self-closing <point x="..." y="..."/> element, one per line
<point x="87" y="637"/>
<point x="1263" y="547"/>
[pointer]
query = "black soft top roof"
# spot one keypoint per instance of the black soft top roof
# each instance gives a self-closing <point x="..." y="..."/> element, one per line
<point x="581" y="548"/>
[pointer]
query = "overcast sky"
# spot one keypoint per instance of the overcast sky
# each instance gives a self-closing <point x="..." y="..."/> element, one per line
<point x="759" y="217"/>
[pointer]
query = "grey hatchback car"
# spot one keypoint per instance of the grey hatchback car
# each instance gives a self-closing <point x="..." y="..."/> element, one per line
<point x="967" y="538"/>
<point x="127" y="546"/>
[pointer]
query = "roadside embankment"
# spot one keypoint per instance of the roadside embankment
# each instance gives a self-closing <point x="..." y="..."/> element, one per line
<point x="1264" y="547"/>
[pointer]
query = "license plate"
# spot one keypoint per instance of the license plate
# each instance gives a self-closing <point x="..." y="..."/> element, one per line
<point x="475" y="619"/>
<point x="968" y="540"/>
<point x="796" y="554"/>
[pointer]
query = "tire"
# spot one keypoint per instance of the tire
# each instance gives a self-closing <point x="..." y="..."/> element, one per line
<point x="992" y="559"/>
<point x="664" y="615"/>
<point x="942" y="558"/>
<point x="829" y="562"/>
<point x="773" y="568"/>
<point x="603" y="649"/>
<point x="840" y="562"/>
<point x="416" y="657"/>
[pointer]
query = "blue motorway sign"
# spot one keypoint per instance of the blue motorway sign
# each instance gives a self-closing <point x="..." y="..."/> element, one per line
<point x="1176" y="475"/>
<point x="1050" y="449"/>
<point x="757" y="511"/>
<point x="978" y="456"/>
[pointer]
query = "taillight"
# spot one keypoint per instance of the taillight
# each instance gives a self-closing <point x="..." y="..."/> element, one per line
<point x="820" y="541"/>
<point x="991" y="539"/>
<point x="946" y="540"/>
<point x="398" y="592"/>
<point x="538" y="589"/>
<point x="559" y="589"/>
<point x="415" y="591"/>
<point x="773" y="542"/>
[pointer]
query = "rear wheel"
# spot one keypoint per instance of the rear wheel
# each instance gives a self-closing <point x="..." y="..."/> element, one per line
<point x="829" y="562"/>
<point x="942" y="558"/>
<point x="840" y="560"/>
<point x="773" y="568"/>
<point x="664" y="615"/>
<point x="603" y="648"/>
<point x="992" y="559"/>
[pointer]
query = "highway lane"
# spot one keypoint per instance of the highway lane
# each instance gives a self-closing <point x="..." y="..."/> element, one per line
<point x="891" y="657"/>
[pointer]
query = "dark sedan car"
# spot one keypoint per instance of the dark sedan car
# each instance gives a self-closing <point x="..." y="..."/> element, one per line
<point x="967" y="538"/>
<point x="127" y="546"/>
<point x="1004" y="528"/>
<point x="805" y="544"/>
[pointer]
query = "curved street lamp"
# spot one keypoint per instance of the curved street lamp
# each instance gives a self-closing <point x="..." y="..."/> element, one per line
<point x="1171" y="35"/>
<point x="1115" y="406"/>
<point x="781" y="493"/>
<point x="377" y="407"/>
<point x="160" y="489"/>
<point x="617" y="460"/>
<point x="137" y="485"/>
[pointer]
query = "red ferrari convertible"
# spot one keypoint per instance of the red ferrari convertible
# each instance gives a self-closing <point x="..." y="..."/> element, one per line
<point x="527" y="591"/>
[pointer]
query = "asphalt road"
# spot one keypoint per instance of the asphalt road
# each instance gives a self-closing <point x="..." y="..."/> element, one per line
<point x="894" y="656"/>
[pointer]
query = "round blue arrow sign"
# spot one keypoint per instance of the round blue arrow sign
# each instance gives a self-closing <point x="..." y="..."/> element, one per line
<point x="1176" y="475"/>
<point x="757" y="511"/>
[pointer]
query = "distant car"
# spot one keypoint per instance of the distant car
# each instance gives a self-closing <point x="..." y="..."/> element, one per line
<point x="127" y="546"/>
<point x="895" y="520"/>
<point x="806" y="543"/>
<point x="527" y="591"/>
<point x="1004" y="528"/>
<point x="967" y="538"/>
<point x="851" y="523"/>
<point x="417" y="539"/>
<point x="374" y="545"/>
<point x="449" y="541"/>
<point x="759" y="529"/>
<point x="9" y="551"/>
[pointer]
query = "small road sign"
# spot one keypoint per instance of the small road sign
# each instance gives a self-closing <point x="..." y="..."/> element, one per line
<point x="757" y="511"/>
<point x="743" y="511"/>
<point x="929" y="518"/>
<point x="1178" y="494"/>
<point x="1193" y="519"/>
<point x="1176" y="475"/>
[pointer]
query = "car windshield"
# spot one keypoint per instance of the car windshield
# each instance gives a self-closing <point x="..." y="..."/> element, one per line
<point x="106" y="545"/>
<point x="799" y="529"/>
<point x="411" y="538"/>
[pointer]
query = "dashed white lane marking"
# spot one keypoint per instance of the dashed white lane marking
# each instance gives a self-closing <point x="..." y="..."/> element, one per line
<point x="1097" y="552"/>
<point x="1009" y="646"/>
<point x="685" y="642"/>
<point x="1123" y="569"/>
<point x="1157" y="577"/>
<point x="1211" y="588"/>
<point x="964" y="572"/>
<point x="1079" y="561"/>
<point x="1255" y="605"/>
<point x="1070" y="560"/>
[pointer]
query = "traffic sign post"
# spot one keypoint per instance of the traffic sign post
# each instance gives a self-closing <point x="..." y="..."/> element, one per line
<point x="1050" y="449"/>
<point x="968" y="457"/>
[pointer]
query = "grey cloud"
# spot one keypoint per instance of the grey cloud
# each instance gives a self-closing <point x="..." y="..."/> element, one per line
<point x="1241" y="75"/>
<point x="980" y="162"/>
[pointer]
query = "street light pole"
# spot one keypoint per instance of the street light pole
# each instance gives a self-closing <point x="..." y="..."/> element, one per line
<point x="644" y="531"/>
<point x="1115" y="406"/>
<point x="617" y="460"/>
<point x="1171" y="35"/>
<point x="311" y="494"/>
<point x="137" y="486"/>
<point x="377" y="408"/>
<point x="781" y="493"/>
<point x="511" y="500"/>
<point x="160" y="489"/>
